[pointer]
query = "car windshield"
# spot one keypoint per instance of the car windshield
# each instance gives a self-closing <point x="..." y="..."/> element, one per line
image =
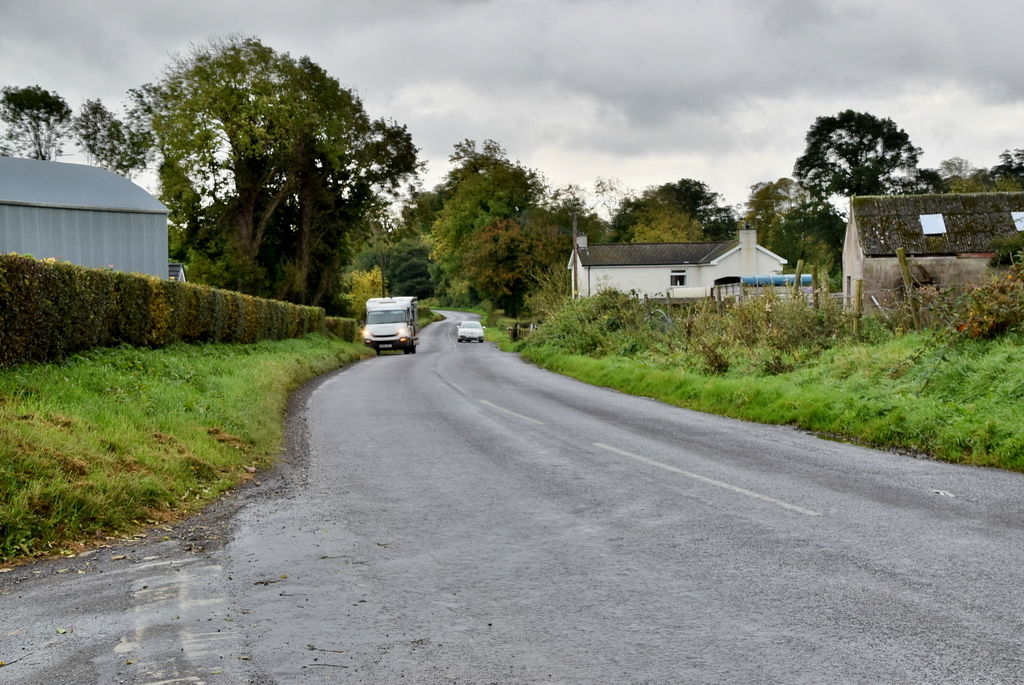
<point x="386" y="316"/>
<point x="470" y="324"/>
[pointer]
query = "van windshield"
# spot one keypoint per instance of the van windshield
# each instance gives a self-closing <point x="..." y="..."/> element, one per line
<point x="386" y="316"/>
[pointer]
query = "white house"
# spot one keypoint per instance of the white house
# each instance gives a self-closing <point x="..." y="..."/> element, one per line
<point x="678" y="270"/>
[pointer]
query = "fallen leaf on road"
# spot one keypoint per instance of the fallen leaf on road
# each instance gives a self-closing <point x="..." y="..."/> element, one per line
<point x="119" y="557"/>
<point x="61" y="631"/>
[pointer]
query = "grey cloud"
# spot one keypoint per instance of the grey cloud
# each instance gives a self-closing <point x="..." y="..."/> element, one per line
<point x="656" y="78"/>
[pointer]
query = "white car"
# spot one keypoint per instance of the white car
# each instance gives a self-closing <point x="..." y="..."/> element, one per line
<point x="469" y="331"/>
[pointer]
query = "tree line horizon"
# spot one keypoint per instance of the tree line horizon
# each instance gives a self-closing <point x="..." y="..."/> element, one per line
<point x="280" y="185"/>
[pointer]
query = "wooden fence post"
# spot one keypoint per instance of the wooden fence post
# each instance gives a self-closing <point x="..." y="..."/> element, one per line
<point x="908" y="287"/>
<point x="815" y="284"/>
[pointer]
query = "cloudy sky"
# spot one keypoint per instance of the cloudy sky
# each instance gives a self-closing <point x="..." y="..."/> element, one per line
<point x="644" y="91"/>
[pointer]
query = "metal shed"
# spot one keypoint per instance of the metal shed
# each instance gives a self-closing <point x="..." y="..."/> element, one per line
<point x="81" y="214"/>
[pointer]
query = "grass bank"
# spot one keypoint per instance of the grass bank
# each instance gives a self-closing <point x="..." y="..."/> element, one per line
<point x="115" y="438"/>
<point x="953" y="397"/>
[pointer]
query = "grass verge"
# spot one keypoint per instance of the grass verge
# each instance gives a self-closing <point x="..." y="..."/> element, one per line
<point x="961" y="403"/>
<point x="112" y="439"/>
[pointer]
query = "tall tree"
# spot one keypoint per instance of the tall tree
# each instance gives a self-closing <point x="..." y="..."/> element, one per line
<point x="269" y="167"/>
<point x="684" y="211"/>
<point x="505" y="258"/>
<point x="769" y="202"/>
<point x="37" y="122"/>
<point x="856" y="153"/>
<point x="793" y="224"/>
<point x="1010" y="171"/>
<point x="482" y="187"/>
<point x="110" y="143"/>
<point x="409" y="274"/>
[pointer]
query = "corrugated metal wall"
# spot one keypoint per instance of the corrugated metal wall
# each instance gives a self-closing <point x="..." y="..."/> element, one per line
<point x="125" y="241"/>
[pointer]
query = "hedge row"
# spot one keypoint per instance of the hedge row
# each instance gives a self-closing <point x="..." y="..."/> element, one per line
<point x="49" y="310"/>
<point x="346" y="329"/>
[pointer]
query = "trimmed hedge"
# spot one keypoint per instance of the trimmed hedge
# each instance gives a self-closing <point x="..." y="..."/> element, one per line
<point x="49" y="310"/>
<point x="346" y="329"/>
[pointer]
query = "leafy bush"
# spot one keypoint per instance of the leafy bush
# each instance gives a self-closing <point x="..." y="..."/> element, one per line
<point x="609" y="323"/>
<point x="765" y="333"/>
<point x="995" y="308"/>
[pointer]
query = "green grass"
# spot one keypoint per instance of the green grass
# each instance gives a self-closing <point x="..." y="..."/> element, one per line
<point x="113" y="438"/>
<point x="963" y="403"/>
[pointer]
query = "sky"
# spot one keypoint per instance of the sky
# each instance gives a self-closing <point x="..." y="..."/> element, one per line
<point x="642" y="91"/>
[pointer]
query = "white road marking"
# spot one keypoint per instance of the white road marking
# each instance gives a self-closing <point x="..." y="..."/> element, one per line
<point x="519" y="416"/>
<point x="710" y="481"/>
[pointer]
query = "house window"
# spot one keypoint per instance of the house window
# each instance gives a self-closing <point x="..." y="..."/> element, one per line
<point x="678" y="277"/>
<point x="932" y="224"/>
<point x="1018" y="220"/>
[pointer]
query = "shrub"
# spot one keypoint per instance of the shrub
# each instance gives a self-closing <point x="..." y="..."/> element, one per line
<point x="994" y="308"/>
<point x="764" y="333"/>
<point x="346" y="329"/>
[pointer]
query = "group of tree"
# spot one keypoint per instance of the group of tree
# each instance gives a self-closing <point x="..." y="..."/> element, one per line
<point x="272" y="171"/>
<point x="38" y="124"/>
<point x="495" y="227"/>
<point x="280" y="184"/>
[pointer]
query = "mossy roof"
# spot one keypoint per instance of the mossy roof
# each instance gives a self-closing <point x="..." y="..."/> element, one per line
<point x="653" y="254"/>
<point x="972" y="220"/>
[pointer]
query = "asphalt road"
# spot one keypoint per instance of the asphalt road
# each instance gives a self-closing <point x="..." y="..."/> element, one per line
<point x="459" y="516"/>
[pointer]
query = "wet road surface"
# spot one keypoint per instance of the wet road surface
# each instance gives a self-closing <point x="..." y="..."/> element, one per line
<point x="458" y="516"/>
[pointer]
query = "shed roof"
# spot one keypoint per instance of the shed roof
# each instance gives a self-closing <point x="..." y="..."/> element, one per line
<point x="972" y="221"/>
<point x="653" y="254"/>
<point x="57" y="184"/>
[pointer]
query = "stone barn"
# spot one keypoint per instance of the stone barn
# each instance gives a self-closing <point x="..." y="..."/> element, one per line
<point x="948" y="240"/>
<point x="81" y="214"/>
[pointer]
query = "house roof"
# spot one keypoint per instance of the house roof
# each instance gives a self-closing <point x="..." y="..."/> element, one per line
<point x="57" y="184"/>
<point x="653" y="254"/>
<point x="972" y="221"/>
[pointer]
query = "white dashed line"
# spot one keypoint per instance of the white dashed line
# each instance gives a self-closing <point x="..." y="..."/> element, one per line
<point x="518" y="416"/>
<point x="710" y="481"/>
